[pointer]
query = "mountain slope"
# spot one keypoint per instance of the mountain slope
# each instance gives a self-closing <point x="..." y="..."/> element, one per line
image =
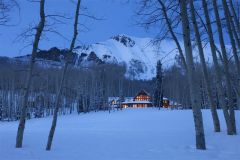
<point x="139" y="55"/>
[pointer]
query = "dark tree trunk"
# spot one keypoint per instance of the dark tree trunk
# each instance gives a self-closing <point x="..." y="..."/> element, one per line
<point x="158" y="92"/>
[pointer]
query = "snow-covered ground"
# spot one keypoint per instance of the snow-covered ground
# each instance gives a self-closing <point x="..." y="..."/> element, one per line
<point x="131" y="134"/>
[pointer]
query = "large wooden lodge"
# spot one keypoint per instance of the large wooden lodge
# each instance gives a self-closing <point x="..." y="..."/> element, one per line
<point x="142" y="99"/>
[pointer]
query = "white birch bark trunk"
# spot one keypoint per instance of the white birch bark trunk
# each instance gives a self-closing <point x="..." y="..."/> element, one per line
<point x="226" y="68"/>
<point x="220" y="88"/>
<point x="197" y="114"/>
<point x="204" y="68"/>
<point x="232" y="33"/>
<point x="21" y="126"/>
<point x="235" y="17"/>
<point x="54" y="122"/>
<point x="169" y="26"/>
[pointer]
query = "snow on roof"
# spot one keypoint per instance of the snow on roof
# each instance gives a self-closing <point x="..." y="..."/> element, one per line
<point x="164" y="98"/>
<point x="136" y="102"/>
<point x="110" y="99"/>
<point x="128" y="100"/>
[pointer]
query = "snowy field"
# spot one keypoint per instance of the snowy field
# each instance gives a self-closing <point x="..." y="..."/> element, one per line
<point x="131" y="134"/>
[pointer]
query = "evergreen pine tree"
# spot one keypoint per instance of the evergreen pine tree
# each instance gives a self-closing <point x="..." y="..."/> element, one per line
<point x="158" y="91"/>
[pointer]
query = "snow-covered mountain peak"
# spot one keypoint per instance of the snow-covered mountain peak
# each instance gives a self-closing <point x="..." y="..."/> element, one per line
<point x="125" y="40"/>
<point x="138" y="55"/>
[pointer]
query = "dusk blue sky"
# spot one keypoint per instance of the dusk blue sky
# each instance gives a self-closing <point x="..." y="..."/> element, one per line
<point x="118" y="19"/>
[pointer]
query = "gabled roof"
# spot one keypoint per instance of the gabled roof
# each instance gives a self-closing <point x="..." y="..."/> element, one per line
<point x="142" y="92"/>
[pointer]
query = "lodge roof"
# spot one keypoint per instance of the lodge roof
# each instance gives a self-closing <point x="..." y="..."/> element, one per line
<point x="142" y="92"/>
<point x="137" y="102"/>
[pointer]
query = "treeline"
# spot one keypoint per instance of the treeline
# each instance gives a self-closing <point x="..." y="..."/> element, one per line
<point x="84" y="90"/>
<point x="176" y="88"/>
<point x="88" y="89"/>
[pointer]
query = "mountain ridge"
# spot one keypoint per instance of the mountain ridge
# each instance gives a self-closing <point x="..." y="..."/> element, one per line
<point x="139" y="55"/>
